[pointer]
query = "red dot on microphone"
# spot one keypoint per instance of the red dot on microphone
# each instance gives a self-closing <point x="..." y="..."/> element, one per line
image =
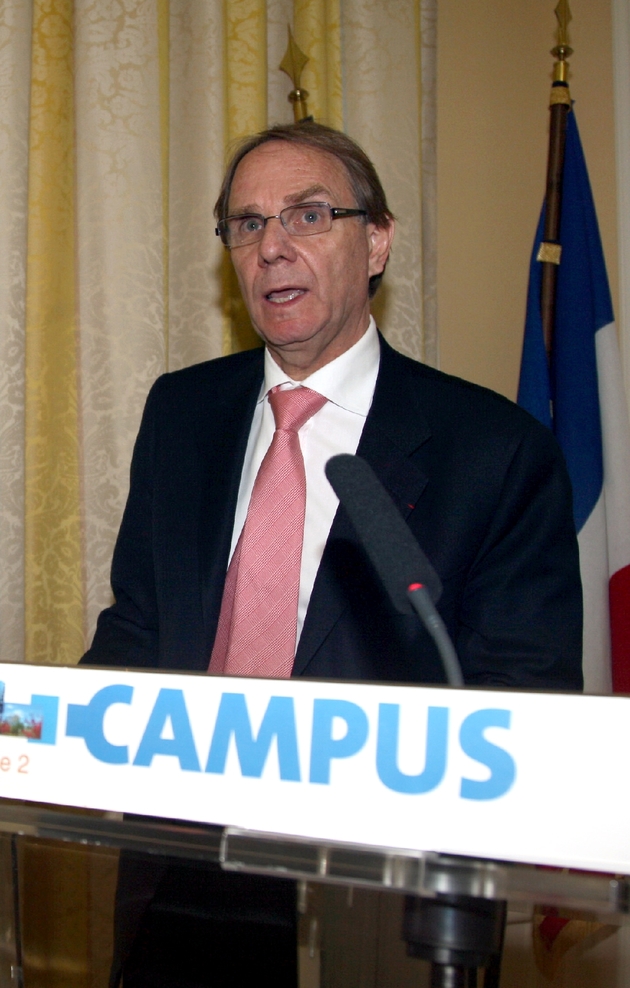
<point x="416" y="586"/>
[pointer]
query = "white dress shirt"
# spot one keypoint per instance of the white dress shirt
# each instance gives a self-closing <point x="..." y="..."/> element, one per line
<point x="348" y="383"/>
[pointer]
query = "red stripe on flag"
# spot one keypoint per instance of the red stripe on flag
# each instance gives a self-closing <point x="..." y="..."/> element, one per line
<point x="619" y="591"/>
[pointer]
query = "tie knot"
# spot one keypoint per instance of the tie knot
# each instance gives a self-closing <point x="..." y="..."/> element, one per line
<point x="291" y="409"/>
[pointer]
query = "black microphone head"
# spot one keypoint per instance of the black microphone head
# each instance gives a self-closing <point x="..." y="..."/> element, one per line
<point x="383" y="532"/>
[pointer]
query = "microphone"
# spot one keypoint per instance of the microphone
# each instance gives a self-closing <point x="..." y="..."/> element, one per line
<point x="405" y="572"/>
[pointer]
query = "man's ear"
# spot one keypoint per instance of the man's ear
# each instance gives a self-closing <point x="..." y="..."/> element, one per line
<point x="380" y="240"/>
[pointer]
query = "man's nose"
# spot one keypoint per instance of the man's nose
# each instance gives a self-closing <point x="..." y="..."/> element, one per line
<point x="275" y="242"/>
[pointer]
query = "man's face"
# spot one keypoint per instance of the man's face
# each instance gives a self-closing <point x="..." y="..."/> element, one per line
<point x="307" y="296"/>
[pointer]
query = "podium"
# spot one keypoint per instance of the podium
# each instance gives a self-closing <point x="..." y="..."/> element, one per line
<point x="426" y="791"/>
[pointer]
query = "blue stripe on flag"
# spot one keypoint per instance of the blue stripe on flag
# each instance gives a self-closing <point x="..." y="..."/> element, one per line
<point x="534" y="388"/>
<point x="583" y="305"/>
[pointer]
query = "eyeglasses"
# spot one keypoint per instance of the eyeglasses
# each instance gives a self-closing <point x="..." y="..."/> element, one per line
<point x="304" y="220"/>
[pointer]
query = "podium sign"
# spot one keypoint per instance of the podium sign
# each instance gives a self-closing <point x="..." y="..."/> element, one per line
<point x="525" y="777"/>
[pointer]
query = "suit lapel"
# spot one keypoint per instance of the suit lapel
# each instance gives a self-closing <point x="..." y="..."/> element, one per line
<point x="222" y="440"/>
<point x="394" y="429"/>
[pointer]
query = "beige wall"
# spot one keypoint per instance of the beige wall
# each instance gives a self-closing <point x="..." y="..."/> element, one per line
<point x="494" y="73"/>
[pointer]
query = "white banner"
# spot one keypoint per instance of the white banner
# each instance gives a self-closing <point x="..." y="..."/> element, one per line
<point x="531" y="777"/>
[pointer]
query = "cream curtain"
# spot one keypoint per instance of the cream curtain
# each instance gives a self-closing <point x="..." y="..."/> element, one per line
<point x="115" y="116"/>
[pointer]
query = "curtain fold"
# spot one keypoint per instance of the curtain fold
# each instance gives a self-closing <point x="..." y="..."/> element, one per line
<point x="15" y="74"/>
<point x="120" y="259"/>
<point x="115" y="123"/>
<point x="245" y="96"/>
<point x="197" y="115"/>
<point x="53" y="572"/>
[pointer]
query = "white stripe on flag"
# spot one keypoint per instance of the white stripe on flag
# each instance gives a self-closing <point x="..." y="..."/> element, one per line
<point x="605" y="537"/>
<point x="594" y="570"/>
<point x="616" y="448"/>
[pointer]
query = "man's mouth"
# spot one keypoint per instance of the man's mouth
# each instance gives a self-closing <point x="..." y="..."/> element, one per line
<point x="284" y="295"/>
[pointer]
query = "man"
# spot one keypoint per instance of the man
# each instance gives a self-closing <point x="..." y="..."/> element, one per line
<point x="482" y="486"/>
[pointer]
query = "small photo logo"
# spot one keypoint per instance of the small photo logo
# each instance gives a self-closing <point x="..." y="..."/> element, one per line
<point x="36" y="721"/>
<point x="20" y="721"/>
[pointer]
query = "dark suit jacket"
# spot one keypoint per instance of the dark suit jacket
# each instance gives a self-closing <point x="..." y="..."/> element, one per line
<point x="481" y="485"/>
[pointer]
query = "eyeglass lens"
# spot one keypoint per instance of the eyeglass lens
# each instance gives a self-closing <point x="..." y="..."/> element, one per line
<point x="299" y="221"/>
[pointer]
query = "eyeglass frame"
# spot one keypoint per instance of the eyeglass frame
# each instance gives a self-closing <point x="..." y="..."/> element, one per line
<point x="336" y="213"/>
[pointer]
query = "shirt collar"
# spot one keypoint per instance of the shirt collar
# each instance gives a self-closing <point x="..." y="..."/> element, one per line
<point x="348" y="380"/>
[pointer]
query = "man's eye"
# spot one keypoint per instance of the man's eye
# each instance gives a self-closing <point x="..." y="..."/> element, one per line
<point x="311" y="216"/>
<point x="249" y="224"/>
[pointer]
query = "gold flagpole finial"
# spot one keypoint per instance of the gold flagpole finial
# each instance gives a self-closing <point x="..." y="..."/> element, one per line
<point x="293" y="64"/>
<point x="562" y="51"/>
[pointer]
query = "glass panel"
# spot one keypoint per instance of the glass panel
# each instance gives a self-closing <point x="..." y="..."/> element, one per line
<point x="7" y="915"/>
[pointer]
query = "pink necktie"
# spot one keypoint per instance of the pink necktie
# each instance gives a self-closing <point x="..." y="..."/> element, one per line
<point x="258" y="620"/>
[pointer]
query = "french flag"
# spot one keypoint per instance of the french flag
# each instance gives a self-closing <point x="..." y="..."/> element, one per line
<point x="584" y="387"/>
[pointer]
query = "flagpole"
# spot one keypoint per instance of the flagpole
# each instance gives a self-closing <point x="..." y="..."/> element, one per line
<point x="550" y="250"/>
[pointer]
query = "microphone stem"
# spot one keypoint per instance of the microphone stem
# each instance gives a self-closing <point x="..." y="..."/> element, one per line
<point x="423" y="606"/>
